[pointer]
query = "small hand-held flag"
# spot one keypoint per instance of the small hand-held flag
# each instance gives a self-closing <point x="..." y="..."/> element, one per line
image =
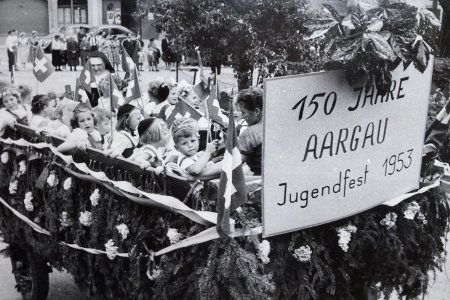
<point x="213" y="106"/>
<point x="182" y="109"/>
<point x="127" y="62"/>
<point x="42" y="66"/>
<point x="436" y="134"/>
<point x="87" y="77"/>
<point x="80" y="94"/>
<point x="232" y="190"/>
<point x="115" y="95"/>
<point x="133" y="89"/>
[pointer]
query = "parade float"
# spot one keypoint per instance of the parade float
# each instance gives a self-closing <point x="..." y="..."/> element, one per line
<point x="345" y="210"/>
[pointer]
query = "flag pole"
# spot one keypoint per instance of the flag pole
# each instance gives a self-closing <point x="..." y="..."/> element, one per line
<point x="111" y="106"/>
<point x="140" y="93"/>
<point x="13" y="77"/>
<point x="208" y="133"/>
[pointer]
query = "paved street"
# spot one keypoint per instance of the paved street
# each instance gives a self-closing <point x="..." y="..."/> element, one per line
<point x="58" y="80"/>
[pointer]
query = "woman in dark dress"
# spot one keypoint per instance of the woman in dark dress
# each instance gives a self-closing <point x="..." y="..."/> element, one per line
<point x="72" y="53"/>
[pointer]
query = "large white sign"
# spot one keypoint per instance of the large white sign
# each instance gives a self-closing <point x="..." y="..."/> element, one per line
<point x="332" y="150"/>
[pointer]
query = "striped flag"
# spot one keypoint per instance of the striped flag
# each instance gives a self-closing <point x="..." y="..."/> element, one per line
<point x="232" y="191"/>
<point x="182" y="109"/>
<point x="87" y="77"/>
<point x="213" y="107"/>
<point x="115" y="95"/>
<point x="133" y="89"/>
<point x="127" y="62"/>
<point x="436" y="134"/>
<point x="42" y="66"/>
<point x="80" y="94"/>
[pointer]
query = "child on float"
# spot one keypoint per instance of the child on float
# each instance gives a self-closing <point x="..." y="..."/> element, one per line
<point x="125" y="140"/>
<point x="43" y="111"/>
<point x="63" y="115"/>
<point x="104" y="102"/>
<point x="103" y="125"/>
<point x="84" y="133"/>
<point x="171" y="100"/>
<point x="186" y="138"/>
<point x="12" y="104"/>
<point x="250" y="103"/>
<point x="158" y="92"/>
<point x="187" y="93"/>
<point x="153" y="136"/>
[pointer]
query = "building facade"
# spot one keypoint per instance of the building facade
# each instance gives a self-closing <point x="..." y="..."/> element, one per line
<point x="47" y="16"/>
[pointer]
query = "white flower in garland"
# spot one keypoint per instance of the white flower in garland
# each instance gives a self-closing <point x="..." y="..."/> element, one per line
<point x="154" y="275"/>
<point x="85" y="218"/>
<point x="263" y="251"/>
<point x="411" y="211"/>
<point x="389" y="220"/>
<point x="111" y="249"/>
<point x="27" y="201"/>
<point x="95" y="196"/>
<point x="64" y="219"/>
<point x="22" y="168"/>
<point x="422" y="218"/>
<point x="4" y="157"/>
<point x="174" y="236"/>
<point x="68" y="183"/>
<point x="52" y="180"/>
<point x="123" y="230"/>
<point x="13" y="187"/>
<point x="303" y="254"/>
<point x="345" y="235"/>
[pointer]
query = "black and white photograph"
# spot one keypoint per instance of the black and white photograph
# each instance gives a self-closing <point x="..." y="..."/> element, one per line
<point x="224" y="149"/>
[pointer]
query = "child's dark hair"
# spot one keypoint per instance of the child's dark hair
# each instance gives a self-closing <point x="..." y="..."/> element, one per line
<point x="184" y="128"/>
<point x="150" y="130"/>
<point x="251" y="98"/>
<point x="38" y="103"/>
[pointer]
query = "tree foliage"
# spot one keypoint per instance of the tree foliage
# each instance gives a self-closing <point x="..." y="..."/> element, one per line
<point x="264" y="33"/>
<point x="369" y="42"/>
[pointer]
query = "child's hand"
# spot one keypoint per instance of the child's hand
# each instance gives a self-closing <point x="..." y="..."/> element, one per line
<point x="111" y="153"/>
<point x="80" y="145"/>
<point x="42" y="131"/>
<point x="144" y="165"/>
<point x="210" y="148"/>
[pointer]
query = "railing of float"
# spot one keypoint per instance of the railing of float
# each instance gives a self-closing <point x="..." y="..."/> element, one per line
<point x="159" y="187"/>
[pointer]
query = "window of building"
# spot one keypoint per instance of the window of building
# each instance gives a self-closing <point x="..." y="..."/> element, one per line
<point x="72" y="12"/>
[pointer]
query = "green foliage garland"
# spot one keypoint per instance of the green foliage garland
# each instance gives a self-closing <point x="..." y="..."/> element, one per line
<point x="390" y="248"/>
<point x="372" y="42"/>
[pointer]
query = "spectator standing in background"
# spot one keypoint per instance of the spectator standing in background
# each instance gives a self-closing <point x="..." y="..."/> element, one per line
<point x="22" y="50"/>
<point x="11" y="48"/>
<point x="72" y="53"/>
<point x="57" y="47"/>
<point x="34" y="43"/>
<point x="84" y="49"/>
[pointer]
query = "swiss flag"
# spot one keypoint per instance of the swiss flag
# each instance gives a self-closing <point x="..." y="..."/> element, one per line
<point x="133" y="89"/>
<point x="182" y="109"/>
<point x="87" y="77"/>
<point x="42" y="66"/>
